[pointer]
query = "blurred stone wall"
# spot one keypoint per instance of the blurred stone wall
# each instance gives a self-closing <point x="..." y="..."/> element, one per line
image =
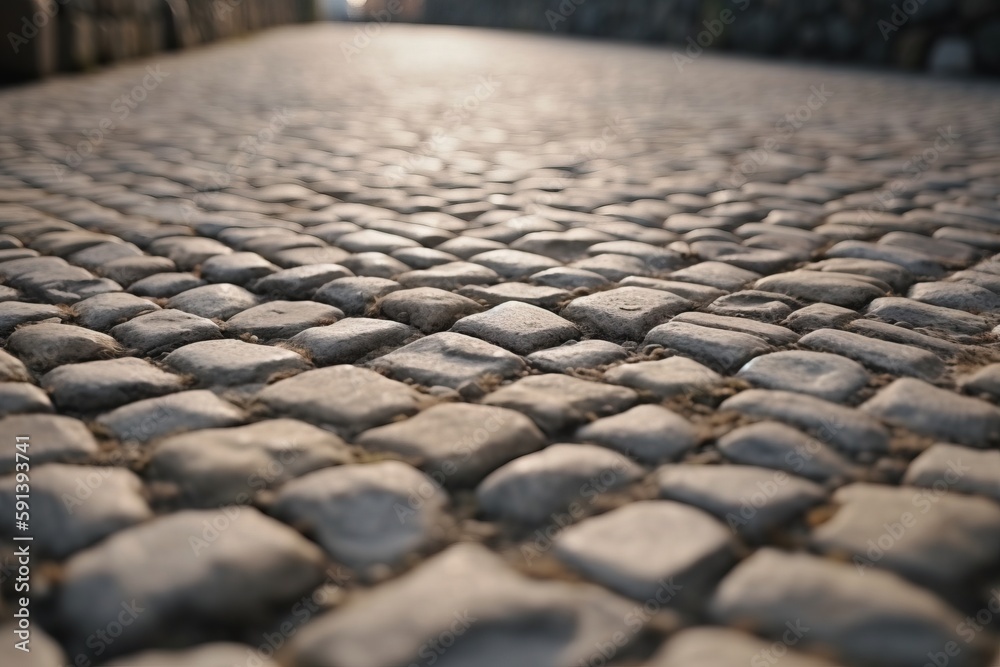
<point x="948" y="36"/>
<point x="43" y="36"/>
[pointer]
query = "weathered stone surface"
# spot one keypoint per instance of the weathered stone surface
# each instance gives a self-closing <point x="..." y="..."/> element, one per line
<point x="457" y="444"/>
<point x="103" y="311"/>
<point x="928" y="410"/>
<point x="103" y="385"/>
<point x="534" y="488"/>
<point x="344" y="398"/>
<point x="665" y="378"/>
<point x="924" y="315"/>
<point x="75" y="506"/>
<point x="154" y="418"/>
<point x="716" y="274"/>
<point x="366" y="515"/>
<point x="12" y="369"/>
<point x="473" y="595"/>
<point x="936" y="540"/>
<point x="450" y="360"/>
<point x="819" y="316"/>
<point x="827" y="376"/>
<point x="21" y="398"/>
<point x="300" y="282"/>
<point x="626" y="313"/>
<point x="846" y="429"/>
<point x="955" y="468"/>
<point x="231" y="362"/>
<point x="585" y="354"/>
<point x="721" y="350"/>
<point x="751" y="501"/>
<point x="216" y="302"/>
<point x="349" y="340"/>
<point x="160" y="332"/>
<point x="44" y="346"/>
<point x="280" y="320"/>
<point x="355" y="296"/>
<point x="984" y="381"/>
<point x="960" y="296"/>
<point x="634" y="548"/>
<point x="558" y="402"/>
<point x="215" y="467"/>
<point x="14" y="313"/>
<point x="185" y="573"/>
<point x="878" y="355"/>
<point x="536" y="295"/>
<point x="877" y="619"/>
<point x="772" y="333"/>
<point x="774" y="445"/>
<point x="839" y="289"/>
<point x="518" y="327"/>
<point x="50" y="438"/>
<point x="427" y="308"/>
<point x="647" y="433"/>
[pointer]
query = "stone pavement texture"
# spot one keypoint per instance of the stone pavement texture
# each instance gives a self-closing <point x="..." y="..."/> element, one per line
<point x="489" y="349"/>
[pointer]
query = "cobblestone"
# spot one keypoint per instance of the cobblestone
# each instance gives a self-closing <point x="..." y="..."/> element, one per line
<point x="594" y="307"/>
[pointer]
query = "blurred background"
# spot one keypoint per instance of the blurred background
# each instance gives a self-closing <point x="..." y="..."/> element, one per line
<point x="946" y="37"/>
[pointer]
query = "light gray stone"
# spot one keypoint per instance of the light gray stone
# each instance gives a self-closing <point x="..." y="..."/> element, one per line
<point x="225" y="363"/>
<point x="625" y="313"/>
<point x="956" y="468"/>
<point x="879" y="355"/>
<point x="774" y="445"/>
<point x="518" y="327"/>
<point x="647" y="433"/>
<point x="665" y="378"/>
<point x="720" y="350"/>
<point x="48" y="438"/>
<point x="826" y="376"/>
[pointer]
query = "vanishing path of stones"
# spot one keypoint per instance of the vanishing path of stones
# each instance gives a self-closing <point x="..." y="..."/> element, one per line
<point x="473" y="348"/>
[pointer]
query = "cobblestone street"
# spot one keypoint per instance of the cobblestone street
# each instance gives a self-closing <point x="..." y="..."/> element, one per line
<point x="458" y="347"/>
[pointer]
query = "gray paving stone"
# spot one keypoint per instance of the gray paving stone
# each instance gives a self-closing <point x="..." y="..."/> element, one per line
<point x="126" y="271"/>
<point x="103" y="385"/>
<point x="349" y="340"/>
<point x="50" y="438"/>
<point x="839" y="289"/>
<point x="450" y="276"/>
<point x="220" y="466"/>
<point x="185" y="571"/>
<point x="78" y="505"/>
<point x="915" y="262"/>
<point x="586" y="354"/>
<point x="941" y="347"/>
<point x="774" y="445"/>
<point x="43" y="346"/>
<point x="21" y="398"/>
<point x="569" y="279"/>
<point x="103" y="311"/>
<point x="632" y="549"/>
<point x="451" y="360"/>
<point x="944" y="467"/>
<point x="819" y="316"/>
<point x="356" y="296"/>
<point x="716" y="274"/>
<point x="165" y="285"/>
<point x="535" y="488"/>
<point x="936" y="540"/>
<point x="772" y="333"/>
<point x="14" y="313"/>
<point x="752" y="502"/>
<point x="12" y="369"/>
<point x="929" y="410"/>
<point x="984" y="381"/>
<point x="625" y="313"/>
<point x="280" y="320"/>
<point x="223" y="363"/>
<point x="708" y="646"/>
<point x="889" y="273"/>
<point x="959" y="296"/>
<point x="514" y="264"/>
<point x="614" y="267"/>
<point x="721" y="350"/>
<point x="877" y="619"/>
<point x="558" y="402"/>
<point x="162" y="331"/>
<point x="543" y="297"/>
<point x="364" y="399"/>
<point x="380" y="513"/>
<point x="470" y="594"/>
<point x="152" y="418"/>
<point x="754" y="304"/>
<point x="518" y="327"/>
<point x="457" y="444"/>
<point x="239" y="268"/>
<point x="648" y="433"/>
<point x="827" y="376"/>
<point x="217" y="302"/>
<point x="665" y="378"/>
<point x="300" y="282"/>
<point x="427" y="308"/>
<point x="879" y="355"/>
<point x="922" y="315"/>
<point x="424" y="258"/>
<point x="844" y="428"/>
